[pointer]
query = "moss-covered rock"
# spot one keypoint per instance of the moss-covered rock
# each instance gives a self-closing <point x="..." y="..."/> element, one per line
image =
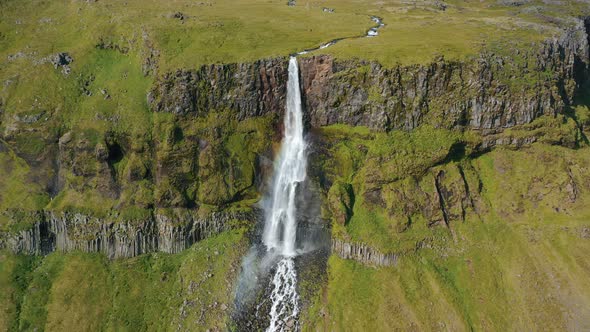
<point x="341" y="202"/>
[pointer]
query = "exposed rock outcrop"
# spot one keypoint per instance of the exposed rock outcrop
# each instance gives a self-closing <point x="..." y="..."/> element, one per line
<point x="150" y="55"/>
<point x="62" y="60"/>
<point x="362" y="253"/>
<point x="249" y="89"/>
<point x="115" y="238"/>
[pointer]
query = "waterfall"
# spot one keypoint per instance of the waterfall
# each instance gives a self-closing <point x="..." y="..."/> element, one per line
<point x="279" y="246"/>
<point x="280" y="224"/>
<point x="280" y="228"/>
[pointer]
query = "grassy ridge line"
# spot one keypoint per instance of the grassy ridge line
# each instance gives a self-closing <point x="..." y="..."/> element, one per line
<point x="192" y="33"/>
<point x="187" y="33"/>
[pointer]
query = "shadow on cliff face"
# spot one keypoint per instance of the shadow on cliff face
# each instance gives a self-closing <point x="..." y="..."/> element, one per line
<point x="581" y="69"/>
<point x="581" y="72"/>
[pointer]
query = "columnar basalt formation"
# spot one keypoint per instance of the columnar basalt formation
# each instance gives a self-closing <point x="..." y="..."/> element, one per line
<point x="362" y="253"/>
<point x="169" y="233"/>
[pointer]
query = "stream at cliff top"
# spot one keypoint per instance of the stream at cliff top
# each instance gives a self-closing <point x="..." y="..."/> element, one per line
<point x="273" y="262"/>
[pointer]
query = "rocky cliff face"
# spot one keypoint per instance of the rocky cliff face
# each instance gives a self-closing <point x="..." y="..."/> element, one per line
<point x="489" y="93"/>
<point x="169" y="233"/>
<point x="413" y="170"/>
<point x="248" y="89"/>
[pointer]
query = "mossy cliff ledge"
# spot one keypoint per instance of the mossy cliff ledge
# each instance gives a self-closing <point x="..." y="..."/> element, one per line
<point x="197" y="171"/>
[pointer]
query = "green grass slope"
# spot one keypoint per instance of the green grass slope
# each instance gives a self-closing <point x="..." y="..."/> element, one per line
<point x="498" y="277"/>
<point x="86" y="292"/>
<point x="518" y="264"/>
<point x="417" y="31"/>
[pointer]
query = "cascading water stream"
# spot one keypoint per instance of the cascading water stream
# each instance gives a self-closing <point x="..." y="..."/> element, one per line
<point x="280" y="229"/>
<point x="280" y="224"/>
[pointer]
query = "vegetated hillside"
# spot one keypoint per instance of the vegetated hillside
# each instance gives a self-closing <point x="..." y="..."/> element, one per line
<point x="450" y="153"/>
<point x="495" y="241"/>
<point x="153" y="292"/>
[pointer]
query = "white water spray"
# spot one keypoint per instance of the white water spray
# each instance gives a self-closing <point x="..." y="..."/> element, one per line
<point x="280" y="228"/>
<point x="284" y="297"/>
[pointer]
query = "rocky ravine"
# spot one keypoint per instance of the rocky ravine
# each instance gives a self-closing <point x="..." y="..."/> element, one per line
<point x="193" y="166"/>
